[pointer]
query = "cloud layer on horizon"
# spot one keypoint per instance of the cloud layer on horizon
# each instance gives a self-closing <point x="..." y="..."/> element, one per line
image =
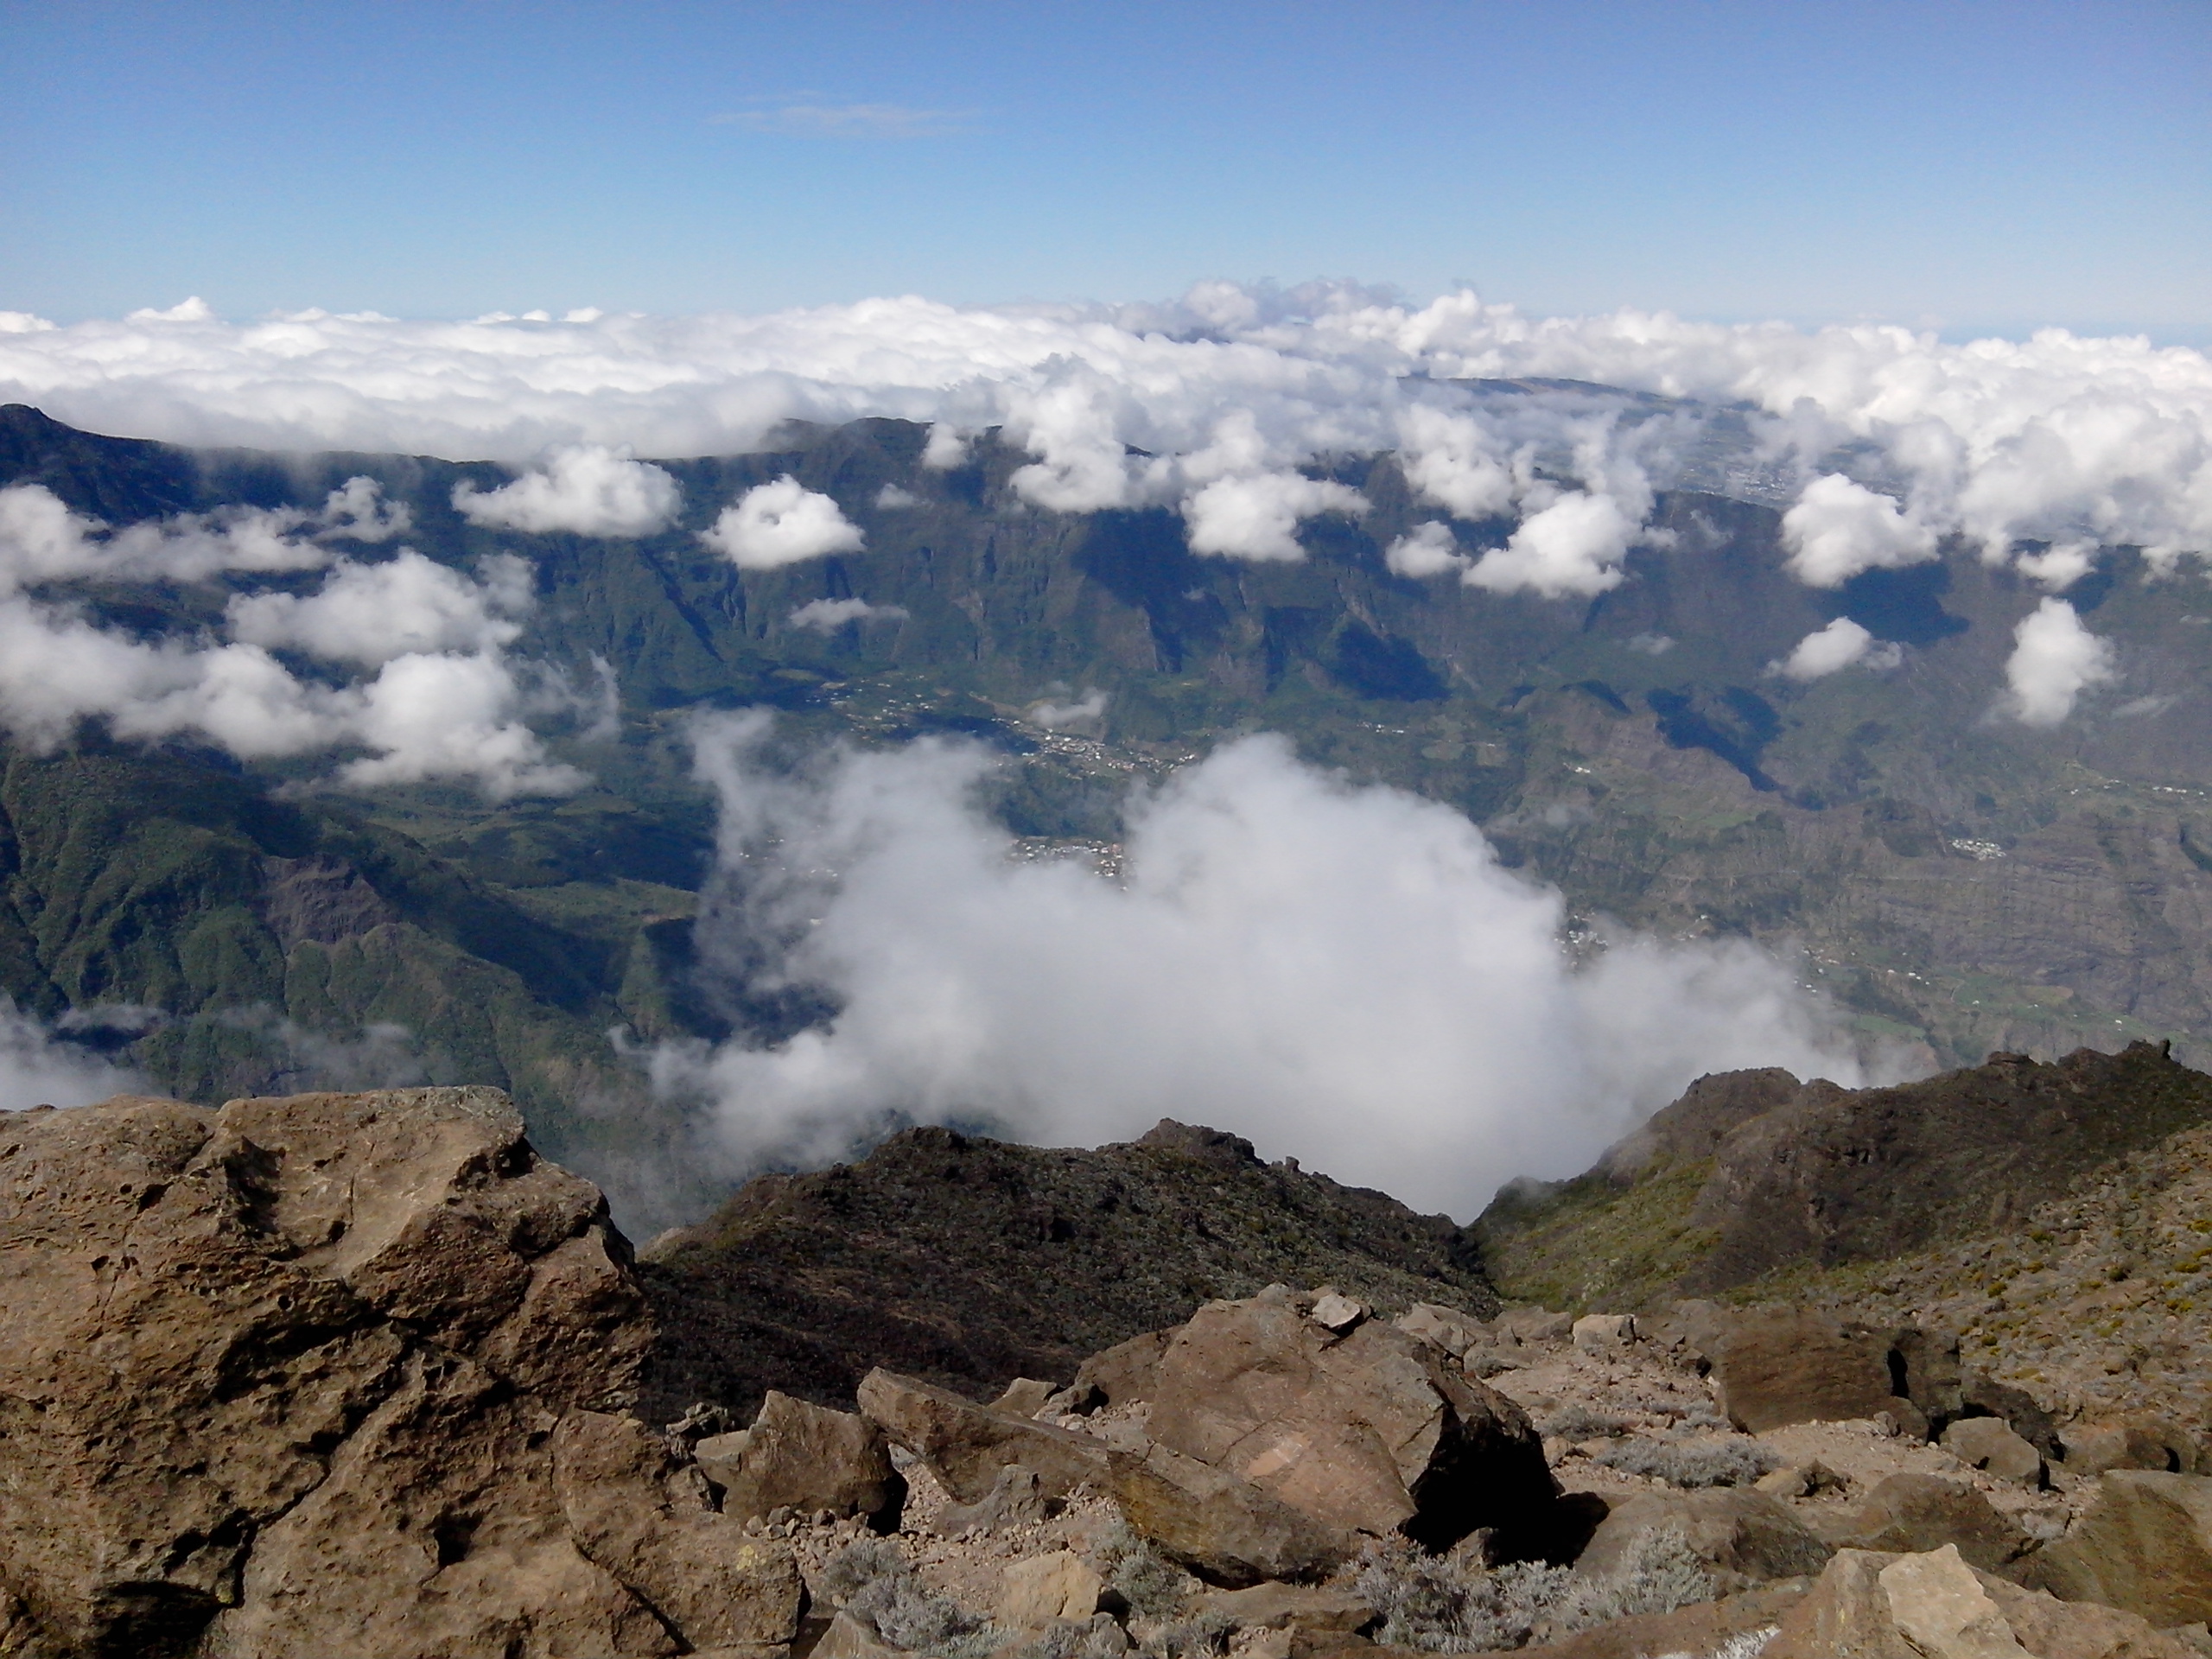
<point x="1227" y="392"/>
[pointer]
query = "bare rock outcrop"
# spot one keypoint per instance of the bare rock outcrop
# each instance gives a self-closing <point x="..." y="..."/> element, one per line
<point x="1225" y="1528"/>
<point x="2145" y="1544"/>
<point x="1363" y="1427"/>
<point x="1935" y="1605"/>
<point x="807" y="1458"/>
<point x="1913" y="1513"/>
<point x="287" y="1378"/>
<point x="966" y="1444"/>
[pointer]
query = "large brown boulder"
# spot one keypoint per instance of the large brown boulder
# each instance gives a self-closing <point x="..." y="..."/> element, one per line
<point x="966" y="1444"/>
<point x="2145" y="1544"/>
<point x="284" y="1379"/>
<point x="806" y="1458"/>
<point x="1367" y="1429"/>
<point x="633" y="1509"/>
<point x="1987" y="1444"/>
<point x="2143" y="1442"/>
<point x="1126" y="1372"/>
<point x="1225" y="1528"/>
<point x="1912" y="1513"/>
<point x="1777" y="1368"/>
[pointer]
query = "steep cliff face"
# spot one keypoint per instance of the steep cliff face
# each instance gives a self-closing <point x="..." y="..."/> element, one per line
<point x="313" y="1375"/>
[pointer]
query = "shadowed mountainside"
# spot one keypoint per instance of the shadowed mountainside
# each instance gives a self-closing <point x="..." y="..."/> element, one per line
<point x="970" y="1261"/>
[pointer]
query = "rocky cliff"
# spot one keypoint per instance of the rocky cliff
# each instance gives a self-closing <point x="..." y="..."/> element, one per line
<point x="339" y="1375"/>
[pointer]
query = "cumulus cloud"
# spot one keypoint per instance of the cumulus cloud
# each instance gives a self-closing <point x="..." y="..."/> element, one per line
<point x="1830" y="649"/>
<point x="372" y="613"/>
<point x="1427" y="550"/>
<point x="38" y="1069"/>
<point x="945" y="447"/>
<point x="1343" y="974"/>
<point x="357" y="511"/>
<point x="1255" y="514"/>
<point x="828" y="615"/>
<point x="1572" y="546"/>
<point x="42" y="541"/>
<point x="1089" y="710"/>
<point x="585" y="489"/>
<point x="1839" y="528"/>
<point x="445" y="715"/>
<point x="778" y="524"/>
<point x="445" y="702"/>
<point x="890" y="498"/>
<point x="2055" y="658"/>
<point x="1451" y="459"/>
<point x="2059" y="566"/>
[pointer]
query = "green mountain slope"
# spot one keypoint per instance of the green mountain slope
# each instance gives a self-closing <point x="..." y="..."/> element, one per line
<point x="1961" y="883"/>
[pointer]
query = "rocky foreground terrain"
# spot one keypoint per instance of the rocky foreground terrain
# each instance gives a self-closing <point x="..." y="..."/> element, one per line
<point x="342" y="1375"/>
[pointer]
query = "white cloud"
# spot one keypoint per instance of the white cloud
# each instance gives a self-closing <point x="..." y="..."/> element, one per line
<point x="41" y="541"/>
<point x="1450" y="459"/>
<point x="1054" y="716"/>
<point x="2059" y="566"/>
<point x="1651" y="645"/>
<point x="827" y="615"/>
<point x="372" y="613"/>
<point x="1830" y="649"/>
<point x="38" y="1070"/>
<point x="1346" y="975"/>
<point x="781" y="523"/>
<point x="585" y="489"/>
<point x="947" y="448"/>
<point x="1572" y="546"/>
<point x="446" y="704"/>
<point x="357" y="511"/>
<point x="1255" y="514"/>
<point x="443" y="716"/>
<point x="1427" y="550"/>
<point x="1839" y="528"/>
<point x="2054" y="438"/>
<point x="2054" y="660"/>
<point x="890" y="498"/>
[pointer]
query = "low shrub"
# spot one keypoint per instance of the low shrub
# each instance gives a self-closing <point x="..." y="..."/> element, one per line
<point x="1154" y="1587"/>
<point x="1720" y="1460"/>
<point x="1580" y="1422"/>
<point x="1455" y="1603"/>
<point x="877" y="1586"/>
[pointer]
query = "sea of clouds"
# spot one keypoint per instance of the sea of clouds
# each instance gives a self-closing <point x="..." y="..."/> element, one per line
<point x="1884" y="445"/>
<point x="1349" y="969"/>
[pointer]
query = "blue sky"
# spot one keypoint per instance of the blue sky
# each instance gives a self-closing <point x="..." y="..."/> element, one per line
<point x="1963" y="165"/>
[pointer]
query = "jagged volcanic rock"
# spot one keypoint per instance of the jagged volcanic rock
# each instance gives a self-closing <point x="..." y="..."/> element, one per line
<point x="286" y="1378"/>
